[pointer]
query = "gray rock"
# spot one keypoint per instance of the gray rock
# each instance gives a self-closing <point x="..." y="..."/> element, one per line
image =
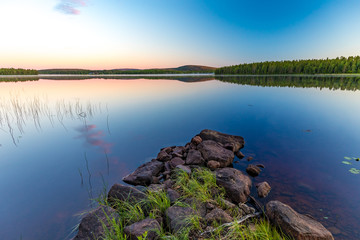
<point x="173" y="195"/>
<point x="263" y="189"/>
<point x="176" y="161"/>
<point x="236" y="142"/>
<point x="219" y="216"/>
<point x="212" y="150"/>
<point x="136" y="230"/>
<point x="119" y="192"/>
<point x="178" y="216"/>
<point x="253" y="170"/>
<point x="143" y="175"/>
<point x="178" y="151"/>
<point x="198" y="205"/>
<point x="91" y="226"/>
<point x="184" y="168"/>
<point x="194" y="158"/>
<point x="236" y="184"/>
<point x="299" y="226"/>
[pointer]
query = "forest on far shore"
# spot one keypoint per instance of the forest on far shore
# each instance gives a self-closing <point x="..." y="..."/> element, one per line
<point x="17" y="71"/>
<point x="338" y="65"/>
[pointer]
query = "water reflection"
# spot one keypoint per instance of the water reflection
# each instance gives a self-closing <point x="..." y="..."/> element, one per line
<point x="94" y="137"/>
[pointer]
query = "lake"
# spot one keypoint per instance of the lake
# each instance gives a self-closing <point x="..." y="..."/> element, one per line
<point x="65" y="141"/>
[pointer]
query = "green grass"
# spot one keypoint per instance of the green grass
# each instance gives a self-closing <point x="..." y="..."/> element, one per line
<point x="201" y="186"/>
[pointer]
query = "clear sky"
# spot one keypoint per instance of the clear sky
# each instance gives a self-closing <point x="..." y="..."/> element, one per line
<point x="108" y="34"/>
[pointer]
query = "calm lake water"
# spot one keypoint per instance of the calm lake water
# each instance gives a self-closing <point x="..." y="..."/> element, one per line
<point x="63" y="141"/>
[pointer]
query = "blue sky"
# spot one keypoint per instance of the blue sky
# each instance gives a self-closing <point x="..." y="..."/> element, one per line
<point x="106" y="34"/>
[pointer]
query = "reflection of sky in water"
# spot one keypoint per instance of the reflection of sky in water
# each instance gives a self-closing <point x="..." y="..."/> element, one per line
<point x="93" y="132"/>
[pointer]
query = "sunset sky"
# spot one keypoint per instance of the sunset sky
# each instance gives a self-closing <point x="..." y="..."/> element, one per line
<point x="109" y="34"/>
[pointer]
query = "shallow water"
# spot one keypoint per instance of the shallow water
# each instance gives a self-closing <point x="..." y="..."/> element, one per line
<point x="62" y="141"/>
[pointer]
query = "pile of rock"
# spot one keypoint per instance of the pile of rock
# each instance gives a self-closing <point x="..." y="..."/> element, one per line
<point x="215" y="151"/>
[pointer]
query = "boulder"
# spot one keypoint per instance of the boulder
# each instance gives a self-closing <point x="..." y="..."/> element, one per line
<point x="143" y="175"/>
<point x="218" y="215"/>
<point x="213" y="165"/>
<point x="172" y="195"/>
<point x="184" y="168"/>
<point x="236" y="184"/>
<point x="236" y="142"/>
<point x="91" y="226"/>
<point x="194" y="158"/>
<point x="164" y="156"/>
<point x="177" y="217"/>
<point x="295" y="224"/>
<point x="196" y="140"/>
<point x="119" y="192"/>
<point x="138" y="229"/>
<point x="253" y="170"/>
<point x="263" y="189"/>
<point x="199" y="206"/>
<point x="178" y="151"/>
<point x="176" y="161"/>
<point x="212" y="150"/>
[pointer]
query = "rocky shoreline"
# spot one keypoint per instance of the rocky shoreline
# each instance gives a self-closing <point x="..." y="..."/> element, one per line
<point x="212" y="153"/>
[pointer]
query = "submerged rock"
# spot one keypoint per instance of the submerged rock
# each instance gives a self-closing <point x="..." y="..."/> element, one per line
<point x="253" y="170"/>
<point x="144" y="174"/>
<point x="91" y="226"/>
<point x="236" y="184"/>
<point x="212" y="150"/>
<point x="263" y="189"/>
<point x="299" y="226"/>
<point x="236" y="142"/>
<point x="136" y="230"/>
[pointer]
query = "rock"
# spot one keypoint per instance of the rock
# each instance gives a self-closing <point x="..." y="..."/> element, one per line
<point x="239" y="154"/>
<point x="198" y="205"/>
<point x="184" y="168"/>
<point x="163" y="156"/>
<point x="213" y="165"/>
<point x="246" y="209"/>
<point x="253" y="170"/>
<point x="167" y="149"/>
<point x="178" y="151"/>
<point x="119" y="192"/>
<point x="228" y="204"/>
<point x="156" y="187"/>
<point x="194" y="158"/>
<point x="209" y="206"/>
<point x="168" y="183"/>
<point x="176" y="161"/>
<point x="299" y="226"/>
<point x="136" y="230"/>
<point x="249" y="158"/>
<point x="91" y="226"/>
<point x="143" y="175"/>
<point x="219" y="216"/>
<point x="211" y="150"/>
<point x="236" y="184"/>
<point x="177" y="217"/>
<point x="260" y="165"/>
<point x="236" y="142"/>
<point x="173" y="195"/>
<point x="196" y="140"/>
<point x="263" y="189"/>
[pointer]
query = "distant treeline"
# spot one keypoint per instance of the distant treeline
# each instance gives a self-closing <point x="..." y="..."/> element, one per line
<point x="98" y="72"/>
<point x="332" y="83"/>
<point x="321" y="66"/>
<point x="17" y="71"/>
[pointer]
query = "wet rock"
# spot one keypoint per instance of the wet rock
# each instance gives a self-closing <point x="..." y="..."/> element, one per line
<point x="173" y="195"/>
<point x="219" y="216"/>
<point x="295" y="224"/>
<point x="249" y="159"/>
<point x="213" y="165"/>
<point x="143" y="175"/>
<point x="211" y="150"/>
<point x="196" y="140"/>
<point x="119" y="192"/>
<point x="176" y="161"/>
<point x="163" y="156"/>
<point x="91" y="226"/>
<point x="138" y="229"/>
<point x="236" y="142"/>
<point x="177" y="217"/>
<point x="246" y="209"/>
<point x="260" y="165"/>
<point x="263" y="189"/>
<point x="239" y="154"/>
<point x="194" y="158"/>
<point x="236" y="184"/>
<point x="184" y="168"/>
<point x="253" y="170"/>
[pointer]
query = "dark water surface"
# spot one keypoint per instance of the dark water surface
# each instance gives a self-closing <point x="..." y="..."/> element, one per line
<point x="62" y="141"/>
